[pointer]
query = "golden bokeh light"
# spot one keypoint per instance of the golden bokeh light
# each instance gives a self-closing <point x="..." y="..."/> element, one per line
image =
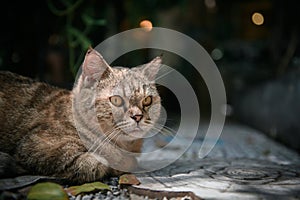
<point x="146" y="24"/>
<point x="210" y="3"/>
<point x="257" y="18"/>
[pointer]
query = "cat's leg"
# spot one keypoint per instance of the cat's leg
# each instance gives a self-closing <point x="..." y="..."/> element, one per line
<point x="67" y="157"/>
<point x="86" y="168"/>
<point x="9" y="167"/>
<point x="120" y="162"/>
<point x="92" y="166"/>
<point x="45" y="154"/>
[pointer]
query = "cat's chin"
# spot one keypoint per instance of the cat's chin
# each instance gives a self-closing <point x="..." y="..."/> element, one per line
<point x="134" y="134"/>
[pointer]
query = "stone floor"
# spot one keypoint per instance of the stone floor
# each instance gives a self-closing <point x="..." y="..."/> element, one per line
<point x="244" y="164"/>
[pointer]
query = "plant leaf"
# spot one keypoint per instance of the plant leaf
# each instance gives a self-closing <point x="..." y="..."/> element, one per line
<point x="88" y="20"/>
<point x="128" y="179"/>
<point x="87" y="187"/>
<point x="80" y="37"/>
<point x="47" y="191"/>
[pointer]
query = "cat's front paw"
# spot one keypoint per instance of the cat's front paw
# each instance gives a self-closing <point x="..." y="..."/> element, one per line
<point x="88" y="167"/>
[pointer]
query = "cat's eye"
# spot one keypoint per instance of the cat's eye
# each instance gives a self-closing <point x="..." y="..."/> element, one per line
<point x="116" y="100"/>
<point x="147" y="101"/>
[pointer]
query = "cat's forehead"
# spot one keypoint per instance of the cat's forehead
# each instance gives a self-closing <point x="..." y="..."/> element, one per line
<point x="128" y="73"/>
<point x="130" y="82"/>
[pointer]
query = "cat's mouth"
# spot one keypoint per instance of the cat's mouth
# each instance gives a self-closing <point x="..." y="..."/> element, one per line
<point x="135" y="131"/>
<point x="132" y="130"/>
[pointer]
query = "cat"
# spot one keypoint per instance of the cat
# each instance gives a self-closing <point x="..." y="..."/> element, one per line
<point x="46" y="130"/>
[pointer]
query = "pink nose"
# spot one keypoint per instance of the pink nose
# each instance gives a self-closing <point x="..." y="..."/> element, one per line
<point x="137" y="118"/>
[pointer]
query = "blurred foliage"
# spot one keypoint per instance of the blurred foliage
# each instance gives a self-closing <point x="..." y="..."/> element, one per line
<point x="47" y="191"/>
<point x="77" y="38"/>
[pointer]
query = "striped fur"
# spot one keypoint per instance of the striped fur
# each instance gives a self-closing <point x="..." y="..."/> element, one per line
<point x="39" y="123"/>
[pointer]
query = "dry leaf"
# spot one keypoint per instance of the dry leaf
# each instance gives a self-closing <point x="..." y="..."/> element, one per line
<point x="88" y="187"/>
<point x="128" y="179"/>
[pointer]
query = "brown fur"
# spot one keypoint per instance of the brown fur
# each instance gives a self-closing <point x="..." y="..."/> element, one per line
<point x="39" y="131"/>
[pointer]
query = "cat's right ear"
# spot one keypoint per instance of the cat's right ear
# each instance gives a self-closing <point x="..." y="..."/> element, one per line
<point x="151" y="69"/>
<point x="94" y="67"/>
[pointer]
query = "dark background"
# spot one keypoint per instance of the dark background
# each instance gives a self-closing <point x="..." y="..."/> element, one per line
<point x="260" y="64"/>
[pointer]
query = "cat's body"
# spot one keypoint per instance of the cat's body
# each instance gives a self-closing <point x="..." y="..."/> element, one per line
<point x="39" y="131"/>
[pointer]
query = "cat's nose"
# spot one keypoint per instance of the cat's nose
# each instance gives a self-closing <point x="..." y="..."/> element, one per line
<point x="137" y="118"/>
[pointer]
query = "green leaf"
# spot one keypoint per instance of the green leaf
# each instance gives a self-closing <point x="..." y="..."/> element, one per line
<point x="128" y="179"/>
<point x="99" y="22"/>
<point x="88" y="187"/>
<point x="83" y="40"/>
<point x="88" y="20"/>
<point x="70" y="7"/>
<point x="47" y="191"/>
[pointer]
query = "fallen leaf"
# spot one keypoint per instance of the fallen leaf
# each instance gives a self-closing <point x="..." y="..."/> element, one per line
<point x="87" y="187"/>
<point x="128" y="179"/>
<point x="47" y="191"/>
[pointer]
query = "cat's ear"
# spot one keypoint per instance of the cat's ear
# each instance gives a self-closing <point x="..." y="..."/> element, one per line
<point x="94" y="67"/>
<point x="151" y="69"/>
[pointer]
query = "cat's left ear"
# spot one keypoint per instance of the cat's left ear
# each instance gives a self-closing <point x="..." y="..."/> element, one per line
<point x="94" y="66"/>
<point x="151" y="69"/>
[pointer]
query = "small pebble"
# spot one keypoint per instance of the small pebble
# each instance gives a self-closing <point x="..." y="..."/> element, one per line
<point x="113" y="181"/>
<point x="109" y="195"/>
<point x="114" y="188"/>
<point x="86" y="197"/>
<point x="116" y="193"/>
<point x="186" y="198"/>
<point x="108" y="198"/>
<point x="99" y="196"/>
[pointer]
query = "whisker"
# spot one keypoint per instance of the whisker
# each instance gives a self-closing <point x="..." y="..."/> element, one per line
<point x="111" y="135"/>
<point x="159" y="125"/>
<point x="104" y="138"/>
<point x="100" y="138"/>
<point x="162" y="128"/>
<point x="165" y="131"/>
<point x="167" y="128"/>
<point x="116" y="140"/>
<point x="162" y="131"/>
<point x="163" y="75"/>
<point x="95" y="143"/>
<point x="105" y="141"/>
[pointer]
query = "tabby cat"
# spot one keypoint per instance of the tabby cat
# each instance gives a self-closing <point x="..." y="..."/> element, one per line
<point x="43" y="129"/>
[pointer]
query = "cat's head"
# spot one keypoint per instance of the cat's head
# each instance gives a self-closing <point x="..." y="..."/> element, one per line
<point x="126" y="100"/>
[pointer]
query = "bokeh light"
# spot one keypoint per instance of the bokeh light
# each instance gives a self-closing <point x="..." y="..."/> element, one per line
<point x="216" y="54"/>
<point x="146" y="24"/>
<point x="210" y="4"/>
<point x="257" y="18"/>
